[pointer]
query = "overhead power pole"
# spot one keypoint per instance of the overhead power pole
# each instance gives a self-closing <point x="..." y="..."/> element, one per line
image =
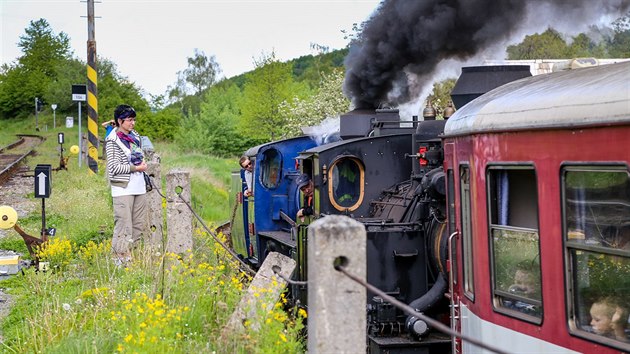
<point x="92" y="94"/>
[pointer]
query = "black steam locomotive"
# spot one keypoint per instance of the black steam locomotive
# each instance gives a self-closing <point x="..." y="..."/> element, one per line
<point x="385" y="173"/>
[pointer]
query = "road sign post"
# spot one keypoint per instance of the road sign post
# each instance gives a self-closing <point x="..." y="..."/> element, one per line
<point x="43" y="186"/>
<point x="79" y="94"/>
<point x="54" y="108"/>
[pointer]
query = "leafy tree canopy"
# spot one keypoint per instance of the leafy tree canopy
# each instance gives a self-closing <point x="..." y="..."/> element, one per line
<point x="43" y="49"/>
<point x="214" y="129"/>
<point x="548" y="45"/>
<point x="266" y="88"/>
<point x="44" y="53"/>
<point x="202" y="71"/>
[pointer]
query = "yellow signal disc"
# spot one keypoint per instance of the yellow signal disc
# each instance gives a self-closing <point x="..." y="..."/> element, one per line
<point x="74" y="149"/>
<point x="8" y="217"/>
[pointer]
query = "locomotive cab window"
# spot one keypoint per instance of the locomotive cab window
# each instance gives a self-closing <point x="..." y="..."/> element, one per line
<point x="271" y="168"/>
<point x="514" y="241"/>
<point x="596" y="209"/>
<point x="345" y="183"/>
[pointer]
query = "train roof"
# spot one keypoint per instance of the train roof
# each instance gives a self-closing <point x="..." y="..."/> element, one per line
<point x="574" y="98"/>
<point x="253" y="151"/>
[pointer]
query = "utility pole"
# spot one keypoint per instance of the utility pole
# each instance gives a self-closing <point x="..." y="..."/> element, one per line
<point x="92" y="96"/>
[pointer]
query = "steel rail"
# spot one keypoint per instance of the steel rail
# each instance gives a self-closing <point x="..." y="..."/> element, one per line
<point x="14" y="160"/>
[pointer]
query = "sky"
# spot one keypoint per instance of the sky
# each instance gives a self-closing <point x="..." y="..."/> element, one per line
<point x="150" y="40"/>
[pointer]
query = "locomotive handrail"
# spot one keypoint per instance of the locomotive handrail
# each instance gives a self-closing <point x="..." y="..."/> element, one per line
<point x="412" y="312"/>
<point x="450" y="257"/>
<point x="451" y="287"/>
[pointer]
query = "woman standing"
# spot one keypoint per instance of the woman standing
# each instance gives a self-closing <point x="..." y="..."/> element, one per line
<point x="125" y="167"/>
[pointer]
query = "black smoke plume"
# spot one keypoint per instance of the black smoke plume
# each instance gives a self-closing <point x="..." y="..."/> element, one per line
<point x="410" y="37"/>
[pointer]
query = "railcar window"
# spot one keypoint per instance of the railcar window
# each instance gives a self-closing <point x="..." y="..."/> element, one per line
<point x="271" y="168"/>
<point x="515" y="244"/>
<point x="596" y="209"/>
<point x="467" y="251"/>
<point x="345" y="184"/>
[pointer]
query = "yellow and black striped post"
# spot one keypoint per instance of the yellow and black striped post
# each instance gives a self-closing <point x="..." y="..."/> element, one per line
<point x="92" y="93"/>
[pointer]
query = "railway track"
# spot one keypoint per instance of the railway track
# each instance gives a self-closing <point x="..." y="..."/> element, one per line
<point x="12" y="155"/>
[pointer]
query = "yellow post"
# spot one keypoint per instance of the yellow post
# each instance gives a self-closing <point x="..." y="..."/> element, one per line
<point x="92" y="96"/>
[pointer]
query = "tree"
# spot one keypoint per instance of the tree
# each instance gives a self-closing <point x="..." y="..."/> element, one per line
<point x="546" y="45"/>
<point x="441" y="96"/>
<point x="68" y="73"/>
<point x="213" y="130"/>
<point x="582" y="46"/>
<point x="619" y="44"/>
<point x="115" y="89"/>
<point x="38" y="67"/>
<point x="266" y="88"/>
<point x="43" y="49"/>
<point x="202" y="71"/>
<point x="328" y="101"/>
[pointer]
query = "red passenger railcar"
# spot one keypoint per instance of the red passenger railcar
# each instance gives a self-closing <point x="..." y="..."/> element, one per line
<point x="539" y="205"/>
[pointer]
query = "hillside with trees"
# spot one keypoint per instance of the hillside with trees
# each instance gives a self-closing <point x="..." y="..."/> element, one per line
<point x="205" y="113"/>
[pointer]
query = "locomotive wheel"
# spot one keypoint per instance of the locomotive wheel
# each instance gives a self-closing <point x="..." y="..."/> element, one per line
<point x="8" y="217"/>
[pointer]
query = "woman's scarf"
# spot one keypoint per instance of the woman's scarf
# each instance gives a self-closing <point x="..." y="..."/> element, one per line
<point x="133" y="144"/>
<point x="128" y="139"/>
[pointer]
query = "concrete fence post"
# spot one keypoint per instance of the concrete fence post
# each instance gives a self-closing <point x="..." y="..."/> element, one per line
<point x="178" y="215"/>
<point x="262" y="294"/>
<point x="155" y="219"/>
<point x="337" y="318"/>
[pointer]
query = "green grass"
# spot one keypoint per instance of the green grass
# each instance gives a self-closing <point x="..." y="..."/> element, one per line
<point x="9" y="127"/>
<point x="159" y="303"/>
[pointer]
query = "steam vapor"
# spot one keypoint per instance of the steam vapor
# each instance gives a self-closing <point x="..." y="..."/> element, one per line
<point x="411" y="37"/>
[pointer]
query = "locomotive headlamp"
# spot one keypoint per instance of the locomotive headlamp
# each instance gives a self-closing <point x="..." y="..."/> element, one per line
<point x="422" y="157"/>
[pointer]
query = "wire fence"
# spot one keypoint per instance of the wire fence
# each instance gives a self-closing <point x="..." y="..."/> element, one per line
<point x="398" y="304"/>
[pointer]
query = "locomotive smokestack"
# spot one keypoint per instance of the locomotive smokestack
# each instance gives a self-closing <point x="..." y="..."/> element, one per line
<point x="411" y="37"/>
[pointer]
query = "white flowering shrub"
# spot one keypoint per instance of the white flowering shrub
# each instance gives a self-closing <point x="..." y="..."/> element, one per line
<point x="329" y="101"/>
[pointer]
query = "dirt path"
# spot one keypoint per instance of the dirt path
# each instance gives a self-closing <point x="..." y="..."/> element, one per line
<point x="14" y="194"/>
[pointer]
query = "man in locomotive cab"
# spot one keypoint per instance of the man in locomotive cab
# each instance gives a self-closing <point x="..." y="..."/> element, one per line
<point x="306" y="186"/>
<point x="248" y="170"/>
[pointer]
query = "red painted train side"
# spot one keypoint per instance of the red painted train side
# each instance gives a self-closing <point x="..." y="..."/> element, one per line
<point x="526" y="141"/>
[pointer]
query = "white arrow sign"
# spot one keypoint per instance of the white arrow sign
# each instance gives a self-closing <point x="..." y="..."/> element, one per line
<point x="41" y="183"/>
